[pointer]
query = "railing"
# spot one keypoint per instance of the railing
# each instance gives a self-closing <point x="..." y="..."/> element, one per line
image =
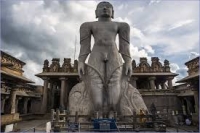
<point x="60" y="122"/>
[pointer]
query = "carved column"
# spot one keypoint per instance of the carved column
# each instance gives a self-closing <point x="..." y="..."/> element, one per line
<point x="196" y="100"/>
<point x="62" y="92"/>
<point x="169" y="79"/>
<point x="13" y="100"/>
<point x="25" y="105"/>
<point x="3" y="99"/>
<point x="134" y="81"/>
<point x="44" y="97"/>
<point x="152" y="82"/>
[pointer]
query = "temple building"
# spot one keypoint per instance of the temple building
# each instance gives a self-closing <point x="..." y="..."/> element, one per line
<point x="188" y="91"/>
<point x="154" y="81"/>
<point x="18" y="97"/>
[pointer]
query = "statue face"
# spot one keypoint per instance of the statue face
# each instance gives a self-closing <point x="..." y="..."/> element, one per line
<point x="104" y="9"/>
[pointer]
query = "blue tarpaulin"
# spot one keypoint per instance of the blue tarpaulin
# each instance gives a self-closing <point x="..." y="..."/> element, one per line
<point x="104" y="125"/>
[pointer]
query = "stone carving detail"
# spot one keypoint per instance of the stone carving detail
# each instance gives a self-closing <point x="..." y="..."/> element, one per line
<point x="66" y="67"/>
<point x="46" y="66"/>
<point x="193" y="66"/>
<point x="80" y="100"/>
<point x="156" y="66"/>
<point x="133" y="64"/>
<point x="55" y="66"/>
<point x="166" y="66"/>
<point x="17" y="64"/>
<point x="144" y="66"/>
<point x="130" y="101"/>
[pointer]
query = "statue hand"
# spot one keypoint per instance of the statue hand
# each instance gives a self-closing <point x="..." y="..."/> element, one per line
<point x="128" y="69"/>
<point x="81" y="69"/>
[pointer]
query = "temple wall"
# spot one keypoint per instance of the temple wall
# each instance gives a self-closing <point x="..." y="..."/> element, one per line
<point x="161" y="101"/>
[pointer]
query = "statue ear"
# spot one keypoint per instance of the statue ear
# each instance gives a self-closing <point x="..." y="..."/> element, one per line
<point x="96" y="13"/>
<point x="112" y="14"/>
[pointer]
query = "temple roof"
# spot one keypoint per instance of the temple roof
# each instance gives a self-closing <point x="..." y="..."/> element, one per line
<point x="188" y="78"/>
<point x="21" y="62"/>
<point x="18" y="77"/>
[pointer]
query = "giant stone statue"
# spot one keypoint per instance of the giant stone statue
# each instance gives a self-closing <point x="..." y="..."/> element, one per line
<point x="104" y="87"/>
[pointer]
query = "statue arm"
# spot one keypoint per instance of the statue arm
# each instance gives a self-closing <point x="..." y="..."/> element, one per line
<point x="124" y="42"/>
<point x="85" y="41"/>
<point x="124" y="46"/>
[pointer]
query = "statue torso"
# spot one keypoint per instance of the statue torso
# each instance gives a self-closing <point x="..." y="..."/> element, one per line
<point x="104" y="34"/>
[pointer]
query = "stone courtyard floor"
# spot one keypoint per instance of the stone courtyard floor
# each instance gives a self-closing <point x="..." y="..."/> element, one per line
<point x="40" y="125"/>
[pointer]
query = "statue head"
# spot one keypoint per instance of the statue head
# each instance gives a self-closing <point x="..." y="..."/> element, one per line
<point x="104" y="9"/>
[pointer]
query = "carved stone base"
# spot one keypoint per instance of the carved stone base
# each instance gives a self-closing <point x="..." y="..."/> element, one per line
<point x="131" y="100"/>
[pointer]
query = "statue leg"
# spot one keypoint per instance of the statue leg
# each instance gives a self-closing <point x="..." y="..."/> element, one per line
<point x="95" y="85"/>
<point x="114" y="88"/>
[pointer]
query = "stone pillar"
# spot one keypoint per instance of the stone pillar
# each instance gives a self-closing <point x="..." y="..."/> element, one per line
<point x="25" y="105"/>
<point x="134" y="81"/>
<point x="62" y="92"/>
<point x="44" y="95"/>
<point x="3" y="99"/>
<point x="196" y="100"/>
<point x="152" y="82"/>
<point x="169" y="79"/>
<point x="13" y="100"/>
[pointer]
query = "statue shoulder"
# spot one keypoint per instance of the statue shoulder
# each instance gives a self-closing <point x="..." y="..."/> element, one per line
<point x="87" y="25"/>
<point x="124" y="26"/>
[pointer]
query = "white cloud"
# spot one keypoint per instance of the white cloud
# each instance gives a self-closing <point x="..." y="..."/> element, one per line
<point x="120" y="7"/>
<point x="53" y="25"/>
<point x="174" y="67"/>
<point x="193" y="55"/>
<point x="154" y="2"/>
<point x="31" y="68"/>
<point x="180" y="24"/>
<point x="137" y="53"/>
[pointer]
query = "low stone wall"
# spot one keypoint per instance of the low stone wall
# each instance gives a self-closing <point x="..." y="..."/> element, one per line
<point x="9" y="119"/>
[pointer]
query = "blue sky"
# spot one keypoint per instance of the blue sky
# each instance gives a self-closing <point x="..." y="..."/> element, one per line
<point x="37" y="30"/>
